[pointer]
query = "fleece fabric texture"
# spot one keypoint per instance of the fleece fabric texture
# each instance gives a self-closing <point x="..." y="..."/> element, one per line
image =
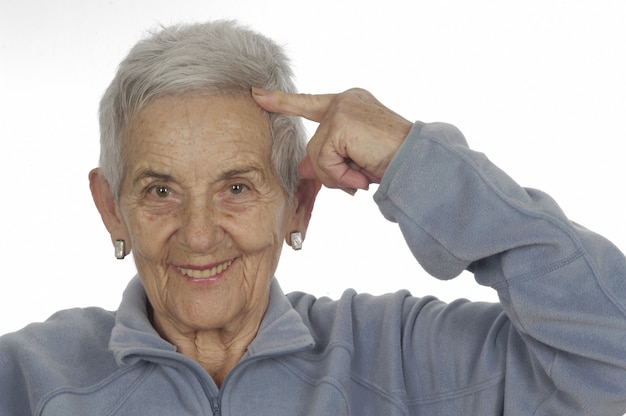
<point x="554" y="345"/>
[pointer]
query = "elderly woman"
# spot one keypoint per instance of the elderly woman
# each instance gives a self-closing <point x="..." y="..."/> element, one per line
<point x="203" y="180"/>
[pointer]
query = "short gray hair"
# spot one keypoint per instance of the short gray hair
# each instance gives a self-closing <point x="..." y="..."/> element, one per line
<point x="218" y="57"/>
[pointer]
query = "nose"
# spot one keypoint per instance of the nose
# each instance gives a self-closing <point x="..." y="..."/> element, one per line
<point x="200" y="231"/>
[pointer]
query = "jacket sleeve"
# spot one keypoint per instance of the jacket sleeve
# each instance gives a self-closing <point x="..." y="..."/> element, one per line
<point x="560" y="343"/>
<point x="16" y="384"/>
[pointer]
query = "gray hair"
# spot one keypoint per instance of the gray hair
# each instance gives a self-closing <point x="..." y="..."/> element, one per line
<point x="209" y="58"/>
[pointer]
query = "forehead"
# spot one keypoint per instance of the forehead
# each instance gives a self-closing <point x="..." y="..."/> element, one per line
<point x="217" y="129"/>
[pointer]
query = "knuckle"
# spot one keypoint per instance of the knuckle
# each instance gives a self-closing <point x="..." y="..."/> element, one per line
<point x="358" y="94"/>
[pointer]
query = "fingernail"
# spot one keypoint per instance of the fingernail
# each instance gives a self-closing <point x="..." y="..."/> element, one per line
<point x="350" y="191"/>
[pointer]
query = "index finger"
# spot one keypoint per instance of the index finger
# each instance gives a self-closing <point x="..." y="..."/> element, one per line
<point x="309" y="106"/>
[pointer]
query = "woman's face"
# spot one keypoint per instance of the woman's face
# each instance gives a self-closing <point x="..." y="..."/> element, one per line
<point x="201" y="206"/>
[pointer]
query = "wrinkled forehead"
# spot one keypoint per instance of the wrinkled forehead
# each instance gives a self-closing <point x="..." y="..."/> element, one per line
<point x="198" y="129"/>
<point x="238" y="109"/>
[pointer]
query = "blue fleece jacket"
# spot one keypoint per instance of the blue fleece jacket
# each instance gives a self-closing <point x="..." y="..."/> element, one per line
<point x="554" y="345"/>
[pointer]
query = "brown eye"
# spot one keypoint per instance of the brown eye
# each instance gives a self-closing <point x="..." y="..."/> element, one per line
<point x="161" y="191"/>
<point x="237" y="188"/>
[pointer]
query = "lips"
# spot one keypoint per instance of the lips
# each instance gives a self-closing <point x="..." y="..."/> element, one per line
<point x="204" y="273"/>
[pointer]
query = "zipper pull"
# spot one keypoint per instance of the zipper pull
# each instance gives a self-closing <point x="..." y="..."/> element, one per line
<point x="216" y="408"/>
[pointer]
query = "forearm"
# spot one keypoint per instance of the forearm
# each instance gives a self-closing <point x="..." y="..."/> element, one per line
<point x="560" y="285"/>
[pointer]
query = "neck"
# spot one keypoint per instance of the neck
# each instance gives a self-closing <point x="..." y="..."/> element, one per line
<point x="217" y="350"/>
<point x="217" y="355"/>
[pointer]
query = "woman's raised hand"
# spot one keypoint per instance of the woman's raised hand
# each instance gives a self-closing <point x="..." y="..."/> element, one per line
<point x="356" y="139"/>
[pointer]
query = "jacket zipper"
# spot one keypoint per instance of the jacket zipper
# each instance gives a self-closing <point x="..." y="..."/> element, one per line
<point x="216" y="401"/>
<point x="216" y="406"/>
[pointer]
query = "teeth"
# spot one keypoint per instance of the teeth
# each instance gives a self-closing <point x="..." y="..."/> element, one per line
<point x="206" y="274"/>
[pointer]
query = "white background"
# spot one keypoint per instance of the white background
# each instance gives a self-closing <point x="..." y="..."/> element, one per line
<point x="537" y="85"/>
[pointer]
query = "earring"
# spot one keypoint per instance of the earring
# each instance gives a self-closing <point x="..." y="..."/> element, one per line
<point x="120" y="249"/>
<point x="296" y="240"/>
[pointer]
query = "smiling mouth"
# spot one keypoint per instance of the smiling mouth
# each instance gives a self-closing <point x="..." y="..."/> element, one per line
<point x="205" y="273"/>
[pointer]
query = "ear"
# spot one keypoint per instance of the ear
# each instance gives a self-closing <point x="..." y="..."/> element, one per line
<point x="107" y="207"/>
<point x="304" y="200"/>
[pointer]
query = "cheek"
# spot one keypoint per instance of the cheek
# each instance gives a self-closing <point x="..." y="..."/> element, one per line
<point x="149" y="234"/>
<point x="263" y="230"/>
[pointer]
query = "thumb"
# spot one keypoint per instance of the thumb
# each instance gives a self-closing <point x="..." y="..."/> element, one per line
<point x="307" y="172"/>
<point x="306" y="169"/>
<point x="309" y="106"/>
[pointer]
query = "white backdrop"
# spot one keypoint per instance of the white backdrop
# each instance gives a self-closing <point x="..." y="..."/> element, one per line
<point x="537" y="85"/>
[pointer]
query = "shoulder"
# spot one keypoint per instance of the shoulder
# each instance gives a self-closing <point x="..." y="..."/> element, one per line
<point x="353" y="312"/>
<point x="356" y="304"/>
<point x="393" y="316"/>
<point x="69" y="348"/>
<point x="83" y="325"/>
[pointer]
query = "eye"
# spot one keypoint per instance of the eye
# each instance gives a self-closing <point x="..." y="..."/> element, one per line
<point x="160" y="191"/>
<point x="237" y="188"/>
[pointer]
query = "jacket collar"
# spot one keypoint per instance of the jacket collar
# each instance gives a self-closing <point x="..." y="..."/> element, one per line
<point x="133" y="337"/>
<point x="282" y="329"/>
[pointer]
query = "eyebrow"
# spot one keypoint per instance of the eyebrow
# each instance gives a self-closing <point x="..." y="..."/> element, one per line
<point x="151" y="174"/>
<point x="232" y="173"/>
<point x="229" y="174"/>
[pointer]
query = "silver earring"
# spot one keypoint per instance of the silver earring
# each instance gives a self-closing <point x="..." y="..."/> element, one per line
<point x="120" y="249"/>
<point x="296" y="240"/>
